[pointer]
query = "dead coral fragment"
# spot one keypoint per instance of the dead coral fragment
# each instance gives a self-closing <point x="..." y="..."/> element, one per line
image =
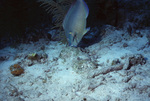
<point x="135" y="60"/>
<point x="16" y="69"/>
<point x="107" y="70"/>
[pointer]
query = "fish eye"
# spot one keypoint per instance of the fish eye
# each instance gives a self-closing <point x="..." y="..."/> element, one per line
<point x="70" y="32"/>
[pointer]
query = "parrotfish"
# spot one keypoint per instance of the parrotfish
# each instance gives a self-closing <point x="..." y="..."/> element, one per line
<point x="74" y="23"/>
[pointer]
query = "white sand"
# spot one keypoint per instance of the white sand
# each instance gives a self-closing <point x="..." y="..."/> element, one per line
<point x="66" y="75"/>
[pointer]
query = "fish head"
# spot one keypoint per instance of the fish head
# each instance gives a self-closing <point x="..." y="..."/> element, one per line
<point x="74" y="37"/>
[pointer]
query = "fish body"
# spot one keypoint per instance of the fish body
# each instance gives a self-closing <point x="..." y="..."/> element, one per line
<point x="74" y="22"/>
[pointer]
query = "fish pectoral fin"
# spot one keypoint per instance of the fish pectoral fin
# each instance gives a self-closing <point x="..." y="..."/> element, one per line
<point x="86" y="30"/>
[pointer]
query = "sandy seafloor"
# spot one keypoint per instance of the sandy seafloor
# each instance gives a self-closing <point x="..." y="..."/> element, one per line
<point x="115" y="69"/>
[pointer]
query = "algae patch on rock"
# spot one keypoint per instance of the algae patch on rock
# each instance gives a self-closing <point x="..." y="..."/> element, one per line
<point x="16" y="70"/>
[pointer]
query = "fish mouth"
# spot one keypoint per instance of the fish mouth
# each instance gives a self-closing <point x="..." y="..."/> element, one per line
<point x="75" y="37"/>
<point x="72" y="40"/>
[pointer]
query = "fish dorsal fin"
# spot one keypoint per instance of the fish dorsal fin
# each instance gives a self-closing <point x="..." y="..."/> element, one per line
<point x="86" y="7"/>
